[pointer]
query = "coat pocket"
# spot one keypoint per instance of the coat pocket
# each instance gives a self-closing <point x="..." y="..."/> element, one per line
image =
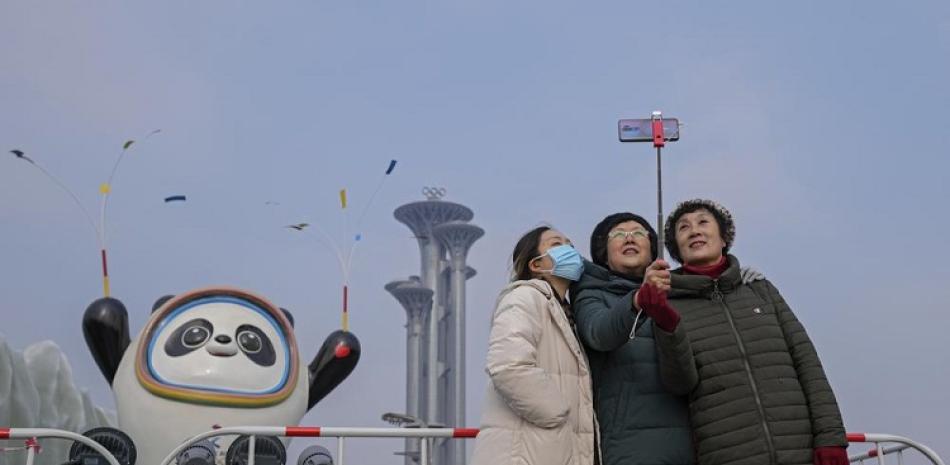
<point x="549" y="446"/>
<point x="496" y="446"/>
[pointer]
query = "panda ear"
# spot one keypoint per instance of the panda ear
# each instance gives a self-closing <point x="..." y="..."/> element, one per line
<point x="290" y="316"/>
<point x="161" y="301"/>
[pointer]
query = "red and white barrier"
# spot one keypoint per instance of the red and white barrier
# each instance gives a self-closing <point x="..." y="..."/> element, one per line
<point x="341" y="433"/>
<point x="335" y="432"/>
<point x="880" y="452"/>
<point x="31" y="433"/>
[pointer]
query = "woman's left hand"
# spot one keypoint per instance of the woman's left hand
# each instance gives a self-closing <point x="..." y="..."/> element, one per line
<point x="833" y="455"/>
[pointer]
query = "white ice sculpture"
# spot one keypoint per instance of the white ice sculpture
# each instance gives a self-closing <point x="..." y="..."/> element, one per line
<point x="37" y="391"/>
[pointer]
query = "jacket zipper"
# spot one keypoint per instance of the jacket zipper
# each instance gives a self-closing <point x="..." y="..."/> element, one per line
<point x="718" y="297"/>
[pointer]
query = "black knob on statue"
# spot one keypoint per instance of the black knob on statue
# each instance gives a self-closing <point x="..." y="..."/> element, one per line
<point x="199" y="453"/>
<point x="115" y="441"/>
<point x="268" y="450"/>
<point x="315" y="455"/>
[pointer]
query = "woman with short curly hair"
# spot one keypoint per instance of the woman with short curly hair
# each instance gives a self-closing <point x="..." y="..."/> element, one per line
<point x="757" y="391"/>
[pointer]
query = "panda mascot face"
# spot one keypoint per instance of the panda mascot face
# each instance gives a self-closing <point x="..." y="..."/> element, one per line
<point x="218" y="349"/>
<point x="216" y="356"/>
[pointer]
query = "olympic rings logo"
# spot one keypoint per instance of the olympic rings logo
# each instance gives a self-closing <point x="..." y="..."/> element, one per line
<point x="433" y="193"/>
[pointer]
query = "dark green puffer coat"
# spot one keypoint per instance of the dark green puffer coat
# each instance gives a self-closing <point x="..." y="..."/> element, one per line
<point x="640" y="422"/>
<point x="757" y="391"/>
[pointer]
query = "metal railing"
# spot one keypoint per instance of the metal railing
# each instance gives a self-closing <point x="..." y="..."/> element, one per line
<point x="30" y="434"/>
<point x="879" y="441"/>
<point x="879" y="452"/>
<point x="341" y="433"/>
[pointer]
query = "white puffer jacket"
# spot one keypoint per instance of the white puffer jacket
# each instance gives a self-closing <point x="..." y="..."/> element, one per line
<point x="539" y="408"/>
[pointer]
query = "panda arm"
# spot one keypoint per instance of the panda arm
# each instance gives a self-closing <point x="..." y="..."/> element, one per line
<point x="334" y="362"/>
<point x="105" y="326"/>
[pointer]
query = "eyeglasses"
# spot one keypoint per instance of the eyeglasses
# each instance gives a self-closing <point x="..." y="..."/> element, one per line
<point x="638" y="234"/>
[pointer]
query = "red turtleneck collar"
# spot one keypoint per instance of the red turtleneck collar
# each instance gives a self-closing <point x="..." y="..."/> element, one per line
<point x="713" y="271"/>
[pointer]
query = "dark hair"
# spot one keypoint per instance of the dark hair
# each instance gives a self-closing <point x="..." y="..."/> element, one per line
<point x="727" y="226"/>
<point x="525" y="250"/>
<point x="598" y="238"/>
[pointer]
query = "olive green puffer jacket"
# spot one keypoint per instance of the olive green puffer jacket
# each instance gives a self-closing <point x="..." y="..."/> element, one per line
<point x="757" y="391"/>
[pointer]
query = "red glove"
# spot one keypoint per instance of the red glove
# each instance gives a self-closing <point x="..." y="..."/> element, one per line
<point x="832" y="455"/>
<point x="653" y="302"/>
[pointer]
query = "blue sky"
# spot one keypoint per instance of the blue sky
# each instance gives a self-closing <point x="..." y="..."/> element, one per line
<point x="820" y="125"/>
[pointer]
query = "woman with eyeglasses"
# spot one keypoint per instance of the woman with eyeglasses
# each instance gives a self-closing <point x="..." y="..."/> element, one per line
<point x="539" y="407"/>
<point x="641" y="422"/>
<point x="757" y="391"/>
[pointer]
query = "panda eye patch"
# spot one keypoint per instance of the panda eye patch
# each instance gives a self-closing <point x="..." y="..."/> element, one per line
<point x="256" y="345"/>
<point x="188" y="337"/>
<point x="194" y="336"/>
<point x="250" y="342"/>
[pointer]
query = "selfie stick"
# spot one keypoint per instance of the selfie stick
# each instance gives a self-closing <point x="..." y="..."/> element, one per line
<point x="658" y="142"/>
<point x="647" y="130"/>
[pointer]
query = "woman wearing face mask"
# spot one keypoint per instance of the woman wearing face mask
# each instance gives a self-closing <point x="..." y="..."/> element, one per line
<point x="757" y="391"/>
<point x="539" y="406"/>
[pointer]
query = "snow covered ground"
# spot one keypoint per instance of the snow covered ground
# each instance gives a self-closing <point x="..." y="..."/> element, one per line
<point x="37" y="391"/>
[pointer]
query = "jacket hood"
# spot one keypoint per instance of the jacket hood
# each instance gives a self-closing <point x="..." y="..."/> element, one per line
<point x="692" y="285"/>
<point x="599" y="278"/>
<point x="539" y="284"/>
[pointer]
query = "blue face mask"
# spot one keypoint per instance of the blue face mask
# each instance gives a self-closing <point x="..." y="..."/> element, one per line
<point x="568" y="263"/>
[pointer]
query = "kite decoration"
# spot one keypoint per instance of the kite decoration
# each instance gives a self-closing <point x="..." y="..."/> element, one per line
<point x="105" y="189"/>
<point x="175" y="198"/>
<point x="19" y="154"/>
<point x="389" y="170"/>
<point x="345" y="259"/>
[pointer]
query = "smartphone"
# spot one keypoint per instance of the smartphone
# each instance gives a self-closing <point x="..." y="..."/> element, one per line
<point x="641" y="130"/>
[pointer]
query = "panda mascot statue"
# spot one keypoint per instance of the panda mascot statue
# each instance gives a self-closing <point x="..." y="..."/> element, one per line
<point x="206" y="358"/>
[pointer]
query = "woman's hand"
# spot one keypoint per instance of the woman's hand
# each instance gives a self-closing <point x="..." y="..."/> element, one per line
<point x="834" y="455"/>
<point x="658" y="275"/>
<point x="749" y="274"/>
<point x="652" y="300"/>
<point x="656" y="281"/>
